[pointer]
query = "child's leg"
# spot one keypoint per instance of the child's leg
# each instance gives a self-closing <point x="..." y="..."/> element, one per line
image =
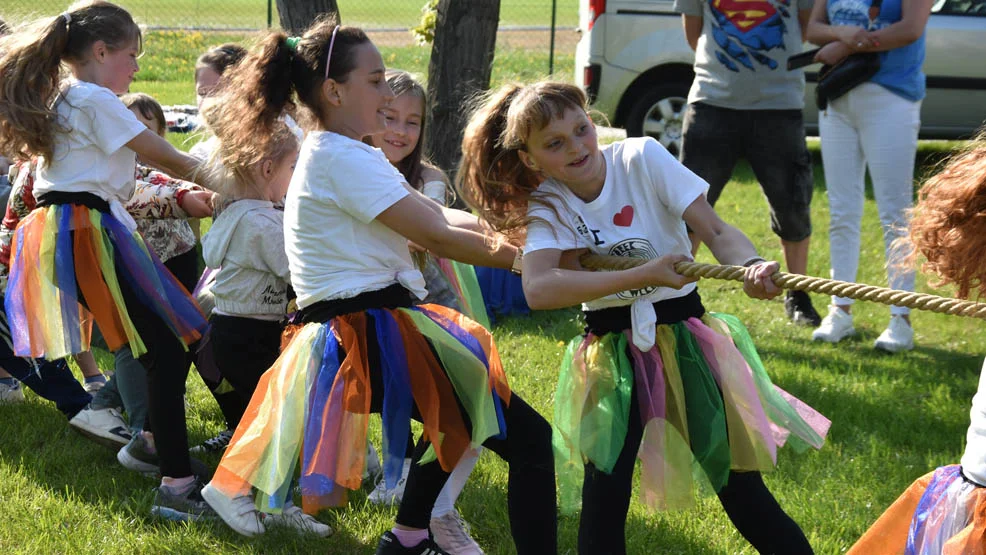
<point x="456" y="481"/>
<point x="606" y="497"/>
<point x="51" y="380"/>
<point x="167" y="367"/>
<point x="244" y="348"/>
<point x="758" y="517"/>
<point x="530" y="484"/>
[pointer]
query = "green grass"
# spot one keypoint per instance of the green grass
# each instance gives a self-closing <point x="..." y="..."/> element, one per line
<point x="252" y="14"/>
<point x="894" y="417"/>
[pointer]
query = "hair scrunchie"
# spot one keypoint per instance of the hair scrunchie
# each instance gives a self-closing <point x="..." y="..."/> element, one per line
<point x="68" y="18"/>
<point x="292" y="43"/>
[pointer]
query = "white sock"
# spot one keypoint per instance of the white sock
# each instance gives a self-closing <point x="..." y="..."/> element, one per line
<point x="456" y="481"/>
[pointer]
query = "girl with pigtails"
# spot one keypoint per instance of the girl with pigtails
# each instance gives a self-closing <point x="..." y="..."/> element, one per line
<point x="358" y="345"/>
<point x="655" y="376"/>
<point x="77" y="257"/>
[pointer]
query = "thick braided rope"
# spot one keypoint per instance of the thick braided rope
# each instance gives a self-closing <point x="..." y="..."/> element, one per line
<point x="859" y="291"/>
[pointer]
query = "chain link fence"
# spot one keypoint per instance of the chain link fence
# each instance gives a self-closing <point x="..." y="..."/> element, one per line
<point x="524" y="23"/>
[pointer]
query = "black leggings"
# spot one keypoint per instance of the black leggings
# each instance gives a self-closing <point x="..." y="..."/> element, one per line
<point x="606" y="497"/>
<point x="244" y="348"/>
<point x="527" y="450"/>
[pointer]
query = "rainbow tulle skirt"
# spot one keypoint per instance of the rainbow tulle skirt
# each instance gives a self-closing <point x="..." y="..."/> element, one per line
<point x="61" y="250"/>
<point x="941" y="513"/>
<point x="706" y="403"/>
<point x="463" y="282"/>
<point x="311" y="409"/>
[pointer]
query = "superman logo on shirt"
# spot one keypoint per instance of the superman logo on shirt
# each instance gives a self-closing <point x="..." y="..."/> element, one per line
<point x="744" y="30"/>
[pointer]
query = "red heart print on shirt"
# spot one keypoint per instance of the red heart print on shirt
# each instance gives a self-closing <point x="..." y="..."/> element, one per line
<point x="624" y="217"/>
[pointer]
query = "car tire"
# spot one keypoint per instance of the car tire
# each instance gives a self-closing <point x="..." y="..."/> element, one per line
<point x="659" y="111"/>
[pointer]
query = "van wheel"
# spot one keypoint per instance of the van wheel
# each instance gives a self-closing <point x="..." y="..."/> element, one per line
<point x="659" y="112"/>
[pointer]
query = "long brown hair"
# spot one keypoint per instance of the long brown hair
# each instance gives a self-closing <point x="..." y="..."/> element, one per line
<point x="948" y="225"/>
<point x="492" y="179"/>
<point x="246" y="113"/>
<point x="30" y="70"/>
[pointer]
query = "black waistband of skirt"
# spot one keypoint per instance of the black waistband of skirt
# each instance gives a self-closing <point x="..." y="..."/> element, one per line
<point x="669" y="311"/>
<point x="89" y="200"/>
<point x="394" y="296"/>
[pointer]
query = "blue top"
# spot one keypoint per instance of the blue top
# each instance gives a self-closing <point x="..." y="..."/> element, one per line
<point x="900" y="68"/>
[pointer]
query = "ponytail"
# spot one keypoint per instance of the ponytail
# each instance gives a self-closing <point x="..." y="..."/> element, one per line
<point x="491" y="179"/>
<point x="30" y="67"/>
<point x="30" y="64"/>
<point x="246" y="113"/>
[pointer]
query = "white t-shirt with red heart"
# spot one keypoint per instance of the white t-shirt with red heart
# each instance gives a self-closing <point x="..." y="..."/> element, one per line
<point x="638" y="213"/>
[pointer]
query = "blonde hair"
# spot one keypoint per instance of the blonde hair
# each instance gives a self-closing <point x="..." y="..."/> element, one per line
<point x="30" y="63"/>
<point x="234" y="176"/>
<point x="948" y="225"/>
<point x="492" y="179"/>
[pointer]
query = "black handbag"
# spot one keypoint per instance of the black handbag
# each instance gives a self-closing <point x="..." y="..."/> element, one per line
<point x="836" y="80"/>
<point x="854" y="70"/>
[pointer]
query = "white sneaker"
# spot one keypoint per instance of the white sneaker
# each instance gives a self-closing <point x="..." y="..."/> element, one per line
<point x="104" y="426"/>
<point x="293" y="517"/>
<point x="899" y="336"/>
<point x="373" y="471"/>
<point x="451" y="532"/>
<point x="836" y="326"/>
<point x="381" y="495"/>
<point x="240" y="513"/>
<point x="93" y="387"/>
<point x="11" y="393"/>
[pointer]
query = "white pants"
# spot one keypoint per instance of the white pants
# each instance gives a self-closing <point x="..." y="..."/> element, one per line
<point x="869" y="127"/>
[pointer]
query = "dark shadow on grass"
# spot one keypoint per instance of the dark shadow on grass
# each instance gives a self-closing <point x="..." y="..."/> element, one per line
<point x="900" y="417"/>
<point x="38" y="443"/>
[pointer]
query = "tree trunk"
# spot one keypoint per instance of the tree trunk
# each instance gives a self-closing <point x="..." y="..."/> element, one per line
<point x="298" y="15"/>
<point x="460" y="66"/>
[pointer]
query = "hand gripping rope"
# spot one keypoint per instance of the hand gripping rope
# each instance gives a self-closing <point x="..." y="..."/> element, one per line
<point x="797" y="282"/>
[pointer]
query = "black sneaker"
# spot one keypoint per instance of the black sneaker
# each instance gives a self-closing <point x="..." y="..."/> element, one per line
<point x="188" y="505"/>
<point x="390" y="545"/>
<point x="799" y="309"/>
<point x="214" y="444"/>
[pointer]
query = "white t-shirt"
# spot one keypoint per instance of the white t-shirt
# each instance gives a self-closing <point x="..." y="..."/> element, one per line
<point x="638" y="214"/>
<point x="974" y="458"/>
<point x="336" y="249"/>
<point x="91" y="157"/>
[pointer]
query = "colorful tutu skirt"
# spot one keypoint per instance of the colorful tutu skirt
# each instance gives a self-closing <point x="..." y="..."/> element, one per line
<point x="311" y="409"/>
<point x="941" y="513"/>
<point x="61" y="250"/>
<point x="464" y="284"/>
<point x="707" y="407"/>
<point x="503" y="291"/>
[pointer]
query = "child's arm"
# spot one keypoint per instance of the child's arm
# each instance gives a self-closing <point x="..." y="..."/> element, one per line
<point x="730" y="246"/>
<point x="548" y="285"/>
<point x="425" y="223"/>
<point x="159" y="153"/>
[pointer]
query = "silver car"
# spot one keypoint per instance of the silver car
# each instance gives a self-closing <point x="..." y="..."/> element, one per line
<point x="635" y="64"/>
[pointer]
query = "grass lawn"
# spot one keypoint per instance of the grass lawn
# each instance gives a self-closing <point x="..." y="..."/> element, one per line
<point x="252" y="14"/>
<point x="894" y="417"/>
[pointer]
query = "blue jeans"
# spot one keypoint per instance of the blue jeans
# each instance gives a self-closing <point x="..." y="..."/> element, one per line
<point x="128" y="387"/>
<point x="51" y="380"/>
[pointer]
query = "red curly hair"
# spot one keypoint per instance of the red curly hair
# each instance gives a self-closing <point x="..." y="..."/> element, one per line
<point x="949" y="221"/>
